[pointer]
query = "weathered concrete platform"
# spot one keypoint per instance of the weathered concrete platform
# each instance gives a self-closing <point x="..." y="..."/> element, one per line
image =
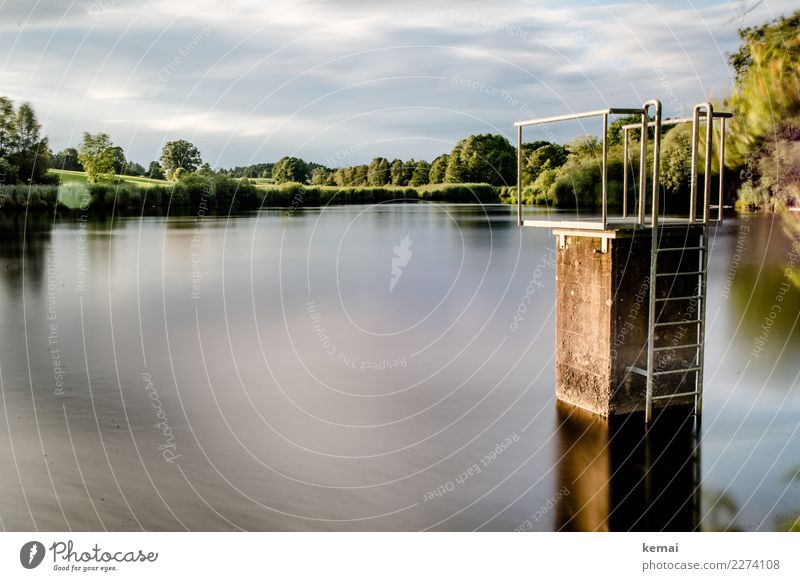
<point x="602" y="298"/>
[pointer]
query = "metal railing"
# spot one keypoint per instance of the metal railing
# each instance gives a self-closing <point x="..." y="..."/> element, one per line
<point x="570" y="117"/>
<point x="699" y="114"/>
<point x="702" y="112"/>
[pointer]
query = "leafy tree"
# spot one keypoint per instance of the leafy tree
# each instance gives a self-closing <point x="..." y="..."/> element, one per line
<point x="8" y="135"/>
<point x="119" y="160"/>
<point x="438" y="170"/>
<point x="205" y="170"/>
<point x="320" y="176"/>
<point x="155" y="171"/>
<point x="401" y="172"/>
<point x="545" y="156"/>
<point x="615" y="129"/>
<point x="455" y="173"/>
<point x="134" y="169"/>
<point x="290" y="169"/>
<point x="29" y="151"/>
<point x="485" y="158"/>
<point x="379" y="172"/>
<point x="180" y="154"/>
<point x="67" y="159"/>
<point x="676" y="159"/>
<point x="766" y="95"/>
<point x="96" y="154"/>
<point x="421" y="174"/>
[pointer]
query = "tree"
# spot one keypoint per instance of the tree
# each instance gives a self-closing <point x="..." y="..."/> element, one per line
<point x="765" y="96"/>
<point x="119" y="160"/>
<point x="30" y="151"/>
<point x="290" y="169"/>
<point x="676" y="159"/>
<point x="421" y="174"/>
<point x="180" y="154"/>
<point x="155" y="171"/>
<point x="8" y="135"/>
<point x="438" y="169"/>
<point x="401" y="172"/>
<point x="134" y="169"/>
<point x="379" y="172"/>
<point x="615" y="129"/>
<point x="320" y="176"/>
<point x="485" y="158"/>
<point x="96" y="154"/>
<point x="545" y="156"/>
<point x="67" y="159"/>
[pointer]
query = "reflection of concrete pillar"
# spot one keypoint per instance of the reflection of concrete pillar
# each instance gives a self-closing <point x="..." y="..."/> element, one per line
<point x="622" y="477"/>
<point x="602" y="297"/>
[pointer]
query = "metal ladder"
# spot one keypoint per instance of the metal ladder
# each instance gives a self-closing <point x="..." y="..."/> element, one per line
<point x="656" y="319"/>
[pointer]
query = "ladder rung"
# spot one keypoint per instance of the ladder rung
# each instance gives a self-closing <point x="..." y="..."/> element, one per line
<point x="679" y="298"/>
<point x="676" y="395"/>
<point x="680" y="248"/>
<point x="674" y="371"/>
<point x="670" y="323"/>
<point x="638" y="370"/>
<point x="695" y="272"/>
<point x="676" y="347"/>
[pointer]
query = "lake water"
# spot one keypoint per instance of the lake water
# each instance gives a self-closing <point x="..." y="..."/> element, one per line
<point x="382" y="367"/>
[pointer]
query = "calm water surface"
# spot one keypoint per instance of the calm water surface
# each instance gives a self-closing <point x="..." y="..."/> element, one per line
<point x="380" y="367"/>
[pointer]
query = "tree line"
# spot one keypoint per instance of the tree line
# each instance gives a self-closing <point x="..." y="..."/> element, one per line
<point x="764" y="151"/>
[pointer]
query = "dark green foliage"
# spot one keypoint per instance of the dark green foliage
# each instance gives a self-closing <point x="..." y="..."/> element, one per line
<point x="24" y="153"/>
<point x="438" y="169"/>
<point x="290" y="169"/>
<point x="485" y="158"/>
<point x="155" y="171"/>
<point x="379" y="172"/>
<point x="402" y="172"/>
<point x="421" y="174"/>
<point x="67" y="159"/>
<point x="180" y="154"/>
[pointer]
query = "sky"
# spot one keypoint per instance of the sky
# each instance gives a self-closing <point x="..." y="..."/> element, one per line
<point x="339" y="82"/>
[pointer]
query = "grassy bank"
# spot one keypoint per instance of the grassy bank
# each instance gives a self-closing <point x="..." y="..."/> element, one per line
<point x="217" y="194"/>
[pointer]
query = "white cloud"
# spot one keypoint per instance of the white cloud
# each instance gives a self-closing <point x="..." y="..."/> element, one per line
<point x="247" y="77"/>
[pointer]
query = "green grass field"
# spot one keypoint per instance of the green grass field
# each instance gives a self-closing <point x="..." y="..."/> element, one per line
<point x="67" y="176"/>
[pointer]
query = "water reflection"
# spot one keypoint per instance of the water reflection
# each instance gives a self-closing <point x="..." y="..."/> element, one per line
<point x="623" y="477"/>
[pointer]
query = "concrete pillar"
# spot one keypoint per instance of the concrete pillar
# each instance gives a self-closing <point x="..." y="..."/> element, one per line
<point x="602" y="297"/>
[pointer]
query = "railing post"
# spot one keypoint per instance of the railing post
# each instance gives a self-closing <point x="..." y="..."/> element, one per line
<point x="709" y="150"/>
<point x="693" y="178"/>
<point x="721" y="166"/>
<point x="605" y="171"/>
<point x="624" y="173"/>
<point x="643" y="167"/>
<point x="656" y="160"/>
<point x="519" y="176"/>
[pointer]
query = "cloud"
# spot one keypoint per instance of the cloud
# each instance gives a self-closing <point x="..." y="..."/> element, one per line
<point x="251" y="81"/>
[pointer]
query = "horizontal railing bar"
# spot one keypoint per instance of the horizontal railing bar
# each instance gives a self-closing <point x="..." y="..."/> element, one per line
<point x="585" y="114"/>
<point x="671" y="395"/>
<point x="674" y="371"/>
<point x="680" y="248"/>
<point x="717" y="114"/>
<point x="673" y="323"/>
<point x="676" y="347"/>
<point x="684" y="298"/>
<point x="692" y="272"/>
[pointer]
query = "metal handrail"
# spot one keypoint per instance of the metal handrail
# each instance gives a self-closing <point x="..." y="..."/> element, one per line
<point x="701" y="116"/>
<point x="582" y="115"/>
<point x="701" y="112"/>
<point x="571" y="117"/>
